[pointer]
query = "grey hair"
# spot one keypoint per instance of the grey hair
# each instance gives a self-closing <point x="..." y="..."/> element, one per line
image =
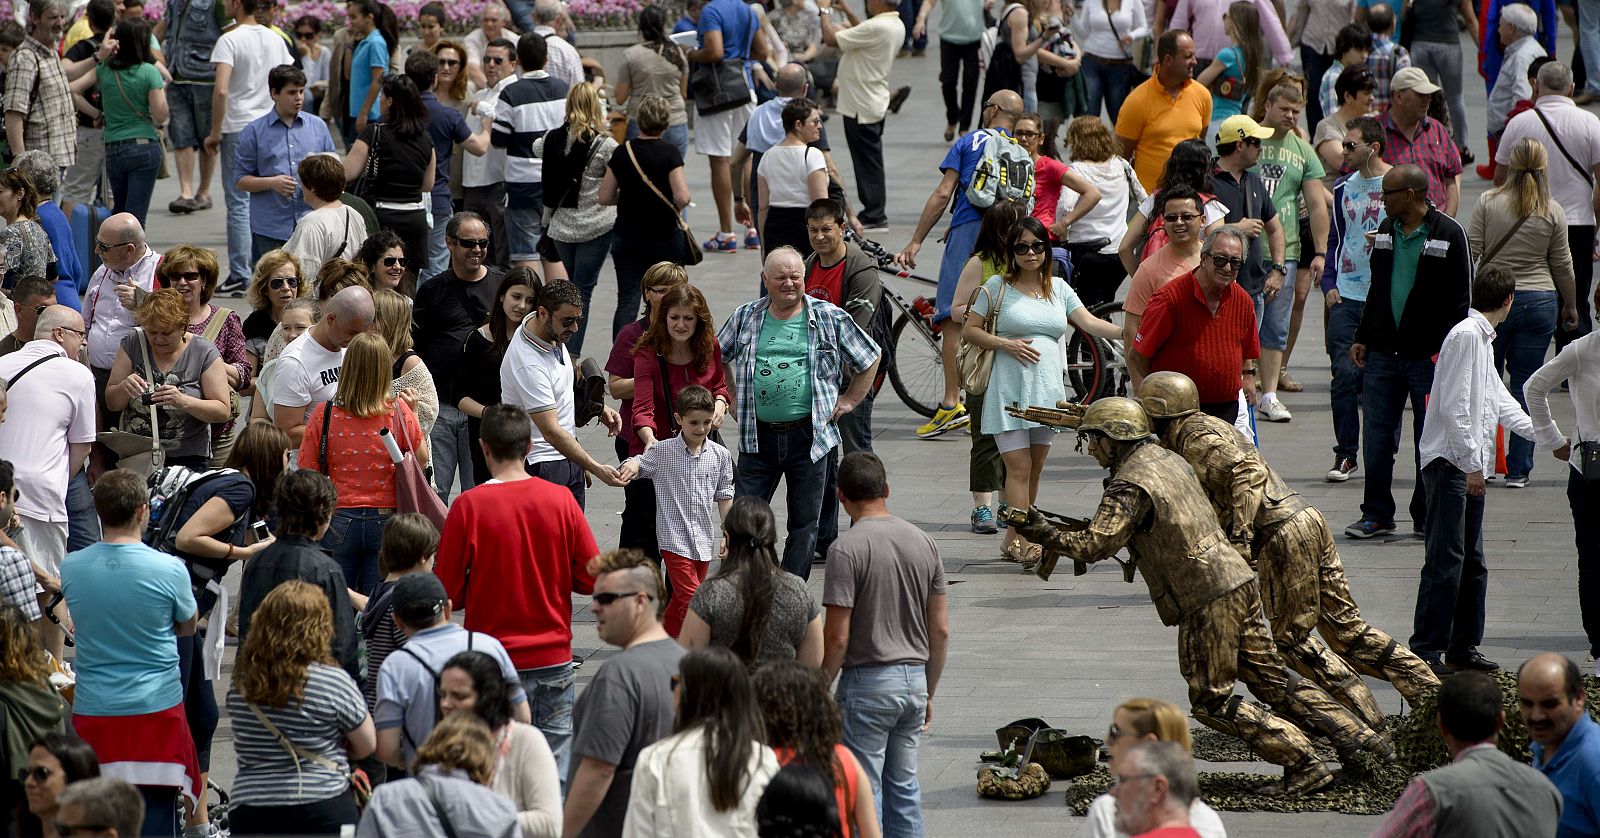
<point x="1555" y="77"/>
<point x="500" y="8"/>
<point x="1227" y="231"/>
<point x="107" y="801"/>
<point x="546" y="11"/>
<point x="41" y="171"/>
<point x="1521" y="17"/>
<point x="37" y="8"/>
<point x="1169" y="760"/>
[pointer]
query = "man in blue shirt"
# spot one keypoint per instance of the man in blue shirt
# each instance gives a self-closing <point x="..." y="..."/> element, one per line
<point x="446" y="127"/>
<point x="727" y="33"/>
<point x="268" y="155"/>
<point x="1566" y="742"/>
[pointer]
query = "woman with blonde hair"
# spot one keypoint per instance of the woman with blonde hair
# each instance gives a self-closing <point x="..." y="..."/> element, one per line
<point x="184" y="377"/>
<point x="277" y="282"/>
<point x="1135" y="721"/>
<point x="394" y="323"/>
<point x="575" y="156"/>
<point x="298" y="720"/>
<point x="342" y="441"/>
<point x="1518" y="227"/>
<point x="449" y="791"/>
<point x="1233" y="74"/>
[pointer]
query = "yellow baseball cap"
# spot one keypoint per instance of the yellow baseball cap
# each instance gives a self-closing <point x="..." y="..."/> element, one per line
<point x="1236" y="128"/>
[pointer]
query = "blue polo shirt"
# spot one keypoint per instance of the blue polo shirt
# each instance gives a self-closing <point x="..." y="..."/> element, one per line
<point x="269" y="147"/>
<point x="446" y="127"/>
<point x="963" y="158"/>
<point x="1575" y="770"/>
<point x="372" y="52"/>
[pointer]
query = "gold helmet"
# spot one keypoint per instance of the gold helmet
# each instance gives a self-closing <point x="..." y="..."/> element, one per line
<point x="1116" y="417"/>
<point x="1169" y="395"/>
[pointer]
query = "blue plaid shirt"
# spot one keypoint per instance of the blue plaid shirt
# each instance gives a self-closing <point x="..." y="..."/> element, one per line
<point x="830" y="334"/>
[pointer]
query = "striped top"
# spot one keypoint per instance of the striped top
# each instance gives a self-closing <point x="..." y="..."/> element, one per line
<point x="268" y="774"/>
<point x="526" y="110"/>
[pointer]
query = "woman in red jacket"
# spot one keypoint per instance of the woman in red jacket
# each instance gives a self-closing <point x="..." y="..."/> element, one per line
<point x="679" y="349"/>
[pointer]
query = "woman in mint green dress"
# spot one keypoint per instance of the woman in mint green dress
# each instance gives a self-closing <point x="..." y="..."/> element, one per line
<point x="1035" y="309"/>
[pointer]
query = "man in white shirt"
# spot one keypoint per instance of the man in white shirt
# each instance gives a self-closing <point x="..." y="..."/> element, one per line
<point x="1572" y="137"/>
<point x="867" y="51"/>
<point x="127" y="272"/>
<point x="48" y="442"/>
<point x="1457" y="451"/>
<point x="537" y="376"/>
<point x="483" y="179"/>
<point x="243" y="57"/>
<point x="308" y="369"/>
<point x="564" y="61"/>
<point x="331" y="230"/>
<point x="491" y="27"/>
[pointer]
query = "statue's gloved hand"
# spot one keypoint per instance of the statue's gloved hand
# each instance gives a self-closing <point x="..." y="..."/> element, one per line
<point x="1039" y="530"/>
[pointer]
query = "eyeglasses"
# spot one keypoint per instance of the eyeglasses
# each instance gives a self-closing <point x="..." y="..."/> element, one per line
<point x="102" y="247"/>
<point x="280" y="282"/>
<point x="391" y="261"/>
<point x="79" y="332"/>
<point x="569" y="322"/>
<point x="306" y="35"/>
<point x="1227" y="263"/>
<point x="38" y="774"/>
<point x="1028" y="135"/>
<point x="449" y="62"/>
<point x="494" y="59"/>
<point x="608" y="597"/>
<point x="1026" y="248"/>
<point x="183" y="276"/>
<point x="1113" y="732"/>
<point x="473" y="244"/>
<point x="1180" y="217"/>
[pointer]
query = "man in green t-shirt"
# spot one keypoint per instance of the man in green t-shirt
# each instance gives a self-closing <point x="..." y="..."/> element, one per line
<point x="1291" y="169"/>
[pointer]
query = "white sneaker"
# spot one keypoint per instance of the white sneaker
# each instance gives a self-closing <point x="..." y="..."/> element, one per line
<point x="1273" y="410"/>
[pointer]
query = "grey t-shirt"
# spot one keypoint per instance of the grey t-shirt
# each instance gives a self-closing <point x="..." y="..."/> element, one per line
<point x="626" y="709"/>
<point x="791" y="609"/>
<point x="182" y="435"/>
<point x="884" y="569"/>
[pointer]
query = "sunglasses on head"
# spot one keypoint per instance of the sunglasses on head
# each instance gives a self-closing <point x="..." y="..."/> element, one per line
<point x="280" y="282"/>
<point x="608" y="597"/>
<point x="391" y="261"/>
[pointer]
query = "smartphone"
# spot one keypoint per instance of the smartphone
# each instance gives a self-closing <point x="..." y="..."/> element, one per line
<point x="259" y="530"/>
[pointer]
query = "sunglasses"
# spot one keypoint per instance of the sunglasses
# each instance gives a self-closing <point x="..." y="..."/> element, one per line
<point x="1351" y="146"/>
<point x="278" y="283"/>
<point x="1180" y="217"/>
<point x="1025" y="248"/>
<point x="449" y="62"/>
<point x="1253" y="142"/>
<point x="184" y="276"/>
<point x="473" y="244"/>
<point x="37" y="773"/>
<point x="1113" y="732"/>
<point x="567" y="323"/>
<point x="391" y="261"/>
<point x="608" y="597"/>
<point x="494" y="59"/>
<point x="1228" y="263"/>
<point x="306" y="35"/>
<point x="102" y="247"/>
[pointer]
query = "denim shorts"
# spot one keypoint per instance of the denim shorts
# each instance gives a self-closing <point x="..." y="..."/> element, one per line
<point x="190" y="105"/>
<point x="524" y="229"/>
<point x="1276" y="312"/>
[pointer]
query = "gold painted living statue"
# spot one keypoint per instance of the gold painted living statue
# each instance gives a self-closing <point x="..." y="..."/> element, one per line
<point x="1155" y="507"/>
<point x="1303" y="584"/>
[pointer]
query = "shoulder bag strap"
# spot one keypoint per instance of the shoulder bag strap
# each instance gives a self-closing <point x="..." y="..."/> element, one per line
<point x="1488" y="255"/>
<point x="345" y="240"/>
<point x="294" y="750"/>
<point x="143" y="112"/>
<point x="666" y="390"/>
<point x="27" y="369"/>
<point x="219" y="318"/>
<point x="994" y="313"/>
<point x="1587" y="176"/>
<point x="150" y="370"/>
<point x="647" y="182"/>
<point x="433" y="798"/>
<point x="1114" y="30"/>
<point x="327" y="419"/>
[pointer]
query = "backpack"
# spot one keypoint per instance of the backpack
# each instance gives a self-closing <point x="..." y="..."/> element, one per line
<point x="192" y="32"/>
<point x="435" y="673"/>
<point x="1004" y="172"/>
<point x="170" y="489"/>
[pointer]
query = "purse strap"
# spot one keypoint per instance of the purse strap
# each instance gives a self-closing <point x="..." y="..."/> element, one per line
<point x="653" y="188"/>
<point x="433" y="798"/>
<point x="1489" y="255"/>
<point x="299" y="753"/>
<point x="150" y="370"/>
<point x="327" y="418"/>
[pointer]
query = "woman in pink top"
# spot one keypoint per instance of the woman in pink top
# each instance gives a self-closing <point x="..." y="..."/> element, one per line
<point x="1050" y="174"/>
<point x="354" y="456"/>
<point x="679" y="349"/>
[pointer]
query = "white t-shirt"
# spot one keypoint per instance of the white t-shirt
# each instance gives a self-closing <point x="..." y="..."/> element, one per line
<point x="787" y="169"/>
<point x="307" y="373"/>
<point x="537" y="376"/>
<point x="51" y="407"/>
<point x="252" y="51"/>
<point x="1102" y="819"/>
<point x="1580" y="136"/>
<point x="318" y="234"/>
<point x="476" y="42"/>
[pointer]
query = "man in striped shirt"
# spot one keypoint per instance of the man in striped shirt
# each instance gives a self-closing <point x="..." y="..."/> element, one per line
<point x="527" y="109"/>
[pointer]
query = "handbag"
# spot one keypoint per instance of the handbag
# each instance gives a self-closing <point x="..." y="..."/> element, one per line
<point x="413" y="492"/>
<point x="719" y="87"/>
<point x="138" y="449"/>
<point x="972" y="363"/>
<point x="359" y="784"/>
<point x="369" y="172"/>
<point x="691" y="248"/>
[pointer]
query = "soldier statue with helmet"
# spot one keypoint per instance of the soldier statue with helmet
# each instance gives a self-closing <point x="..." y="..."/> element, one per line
<point x="1154" y="505"/>
<point x="1303" y="584"/>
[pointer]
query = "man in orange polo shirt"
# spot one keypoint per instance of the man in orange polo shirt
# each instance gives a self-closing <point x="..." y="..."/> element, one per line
<point x="1167" y="109"/>
<point x="1203" y="325"/>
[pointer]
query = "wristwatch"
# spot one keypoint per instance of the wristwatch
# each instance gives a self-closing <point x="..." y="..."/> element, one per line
<point x="1277" y="266"/>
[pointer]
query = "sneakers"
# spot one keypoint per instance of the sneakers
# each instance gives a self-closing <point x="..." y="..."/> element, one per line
<point x="1273" y="410"/>
<point x="233" y="287"/>
<point x="1367" y="528"/>
<point x="752" y="239"/>
<point x="719" y="244"/>
<point x="983" y="521"/>
<point x="875" y="227"/>
<point x="944" y="420"/>
<point x="1516" y="481"/>
<point x="1343" y="467"/>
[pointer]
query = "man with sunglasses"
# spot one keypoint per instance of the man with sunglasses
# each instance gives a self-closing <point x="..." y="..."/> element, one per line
<point x="1250" y="208"/>
<point x="483" y="179"/>
<point x="31" y="296"/>
<point x="1181" y="213"/>
<point x="127" y="272"/>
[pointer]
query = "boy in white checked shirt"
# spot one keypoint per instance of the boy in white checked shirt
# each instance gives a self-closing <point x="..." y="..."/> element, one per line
<point x="694" y="488"/>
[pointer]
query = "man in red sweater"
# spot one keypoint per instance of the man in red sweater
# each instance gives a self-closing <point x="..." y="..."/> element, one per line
<point x="1203" y="325"/>
<point x="511" y="555"/>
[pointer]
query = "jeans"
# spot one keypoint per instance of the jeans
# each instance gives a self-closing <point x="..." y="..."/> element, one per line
<point x="883" y="709"/>
<point x="959" y="61"/>
<point x="1520" y="345"/>
<point x="1455" y="576"/>
<point x="1589" y="42"/>
<point x="552" y="690"/>
<point x="160" y="811"/>
<point x="1584" y="499"/>
<point x="240" y="268"/>
<point x="786" y="455"/>
<point x="353" y="539"/>
<point x="438" y="252"/>
<point x="678" y="135"/>
<point x="855" y="434"/>
<point x="958" y="245"/>
<point x="199" y="697"/>
<point x="451" y="448"/>
<point x="908" y="17"/>
<point x="631" y="256"/>
<point x="1580" y="241"/>
<point x="1108" y="83"/>
<point x="1275" y="312"/>
<point x="260" y="245"/>
<point x="1442" y="63"/>
<point x="131" y="168"/>
<point x="583" y="261"/>
<point x="1345" y="391"/>
<point x="83" y="525"/>
<point x="562" y="473"/>
<point x="866" y="155"/>
<point x="521" y="15"/>
<point x="1386" y="383"/>
<point x="1316" y="66"/>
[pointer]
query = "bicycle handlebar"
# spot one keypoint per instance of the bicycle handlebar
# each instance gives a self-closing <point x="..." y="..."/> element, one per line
<point x="884" y="258"/>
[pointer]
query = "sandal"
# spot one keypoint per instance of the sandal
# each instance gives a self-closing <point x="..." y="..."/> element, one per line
<point x="1021" y="552"/>
<point x="1287" y="384"/>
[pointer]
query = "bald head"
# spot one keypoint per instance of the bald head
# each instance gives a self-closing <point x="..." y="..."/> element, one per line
<point x="122" y="228"/>
<point x="781" y="258"/>
<point x="56" y="317"/>
<point x="792" y="78"/>
<point x="1550" y="670"/>
<point x="1004" y="107"/>
<point x="352" y="302"/>
<point x="1410" y="176"/>
<point x="349" y="313"/>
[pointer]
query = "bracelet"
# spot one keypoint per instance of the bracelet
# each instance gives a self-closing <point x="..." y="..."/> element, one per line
<point x="229" y="557"/>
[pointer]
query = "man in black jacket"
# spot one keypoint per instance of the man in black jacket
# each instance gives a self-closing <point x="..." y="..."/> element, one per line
<point x="1421" y="287"/>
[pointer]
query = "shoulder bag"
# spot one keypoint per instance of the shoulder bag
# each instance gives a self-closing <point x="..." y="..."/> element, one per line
<point x="691" y="248"/>
<point x="973" y="364"/>
<point x="137" y="447"/>
<point x="213" y="329"/>
<point x="369" y="172"/>
<point x="720" y="86"/>
<point x="360" y="786"/>
<point x="412" y="491"/>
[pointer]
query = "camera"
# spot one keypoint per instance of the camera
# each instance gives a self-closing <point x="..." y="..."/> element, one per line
<point x="147" y="398"/>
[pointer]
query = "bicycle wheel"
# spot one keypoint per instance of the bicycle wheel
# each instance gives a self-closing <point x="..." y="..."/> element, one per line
<point x="1097" y="367"/>
<point x="917" y="373"/>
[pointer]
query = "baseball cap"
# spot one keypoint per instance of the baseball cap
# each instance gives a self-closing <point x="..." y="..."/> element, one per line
<point x="1236" y="128"/>
<point x="419" y="598"/>
<point x="1412" y="78"/>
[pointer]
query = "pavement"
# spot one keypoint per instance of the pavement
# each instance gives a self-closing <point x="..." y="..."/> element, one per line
<point x="1070" y="649"/>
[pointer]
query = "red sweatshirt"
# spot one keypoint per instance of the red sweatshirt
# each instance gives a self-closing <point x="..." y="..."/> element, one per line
<point x="512" y="555"/>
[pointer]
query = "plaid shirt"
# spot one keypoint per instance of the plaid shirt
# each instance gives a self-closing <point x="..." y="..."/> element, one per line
<point x="688" y="487"/>
<point x="36" y="87"/>
<point x="1385" y="59"/>
<point x="1432" y="149"/>
<point x="16" y="583"/>
<point x="830" y="333"/>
